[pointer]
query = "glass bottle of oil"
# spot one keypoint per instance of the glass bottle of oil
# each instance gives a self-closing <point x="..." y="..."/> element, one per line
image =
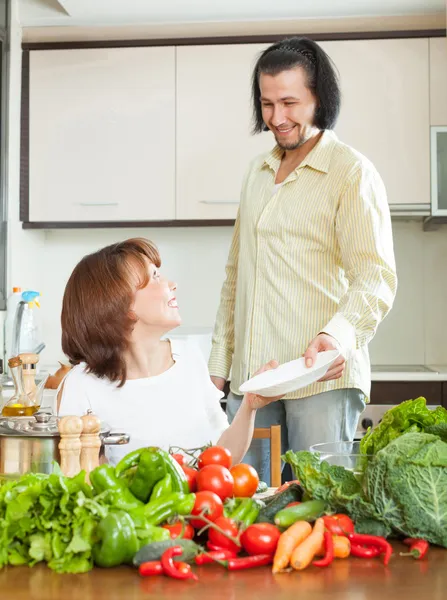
<point x="20" y="405"/>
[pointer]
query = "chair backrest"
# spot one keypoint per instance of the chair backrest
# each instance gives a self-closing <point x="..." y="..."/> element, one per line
<point x="272" y="433"/>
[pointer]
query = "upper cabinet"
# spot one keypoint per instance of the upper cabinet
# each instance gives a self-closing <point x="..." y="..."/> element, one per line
<point x="102" y="135"/>
<point x="385" y="111"/>
<point x="152" y="134"/>
<point x="214" y="143"/>
<point x="438" y="81"/>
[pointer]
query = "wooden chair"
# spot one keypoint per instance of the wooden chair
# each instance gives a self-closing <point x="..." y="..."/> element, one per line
<point x="273" y="434"/>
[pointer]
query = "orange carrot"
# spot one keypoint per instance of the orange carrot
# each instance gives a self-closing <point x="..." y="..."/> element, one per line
<point x="304" y="553"/>
<point x="342" y="547"/>
<point x="288" y="541"/>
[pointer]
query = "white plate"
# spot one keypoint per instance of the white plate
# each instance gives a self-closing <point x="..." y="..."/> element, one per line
<point x="290" y="376"/>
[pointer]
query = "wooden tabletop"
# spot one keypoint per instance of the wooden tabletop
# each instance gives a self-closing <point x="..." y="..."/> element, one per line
<point x="346" y="579"/>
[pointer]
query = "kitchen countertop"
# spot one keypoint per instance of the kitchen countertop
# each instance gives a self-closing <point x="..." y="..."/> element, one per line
<point x="347" y="579"/>
<point x="394" y="373"/>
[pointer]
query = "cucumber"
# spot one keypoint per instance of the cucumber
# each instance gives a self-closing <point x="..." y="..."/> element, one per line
<point x="155" y="550"/>
<point x="262" y="487"/>
<point x="306" y="511"/>
<point x="277" y="502"/>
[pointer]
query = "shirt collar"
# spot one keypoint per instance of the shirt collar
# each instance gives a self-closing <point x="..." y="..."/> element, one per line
<point x="319" y="157"/>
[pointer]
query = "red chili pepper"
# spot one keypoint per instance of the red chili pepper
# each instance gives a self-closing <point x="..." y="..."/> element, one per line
<point x="373" y="540"/>
<point x="418" y="548"/>
<point x="247" y="562"/>
<point x="215" y="555"/>
<point x="215" y="548"/>
<point x="171" y="569"/>
<point x="364" y="551"/>
<point x="183" y="567"/>
<point x="152" y="567"/>
<point x="328" y="551"/>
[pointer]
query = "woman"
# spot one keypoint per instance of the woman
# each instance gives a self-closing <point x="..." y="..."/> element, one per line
<point x="116" y="309"/>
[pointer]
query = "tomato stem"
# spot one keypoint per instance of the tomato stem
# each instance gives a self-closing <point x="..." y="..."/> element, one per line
<point x="209" y="523"/>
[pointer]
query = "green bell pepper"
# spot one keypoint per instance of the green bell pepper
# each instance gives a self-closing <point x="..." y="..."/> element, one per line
<point x="104" y="479"/>
<point x="243" y="510"/>
<point x="162" y="509"/>
<point x="179" y="480"/>
<point x="117" y="540"/>
<point x="151" y="468"/>
<point x="151" y="533"/>
<point x="162" y="488"/>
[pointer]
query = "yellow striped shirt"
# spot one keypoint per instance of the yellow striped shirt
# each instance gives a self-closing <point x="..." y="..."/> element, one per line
<point x="316" y="255"/>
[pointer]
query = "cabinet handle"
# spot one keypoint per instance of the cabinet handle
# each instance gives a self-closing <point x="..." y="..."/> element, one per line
<point x="97" y="203"/>
<point x="219" y="201"/>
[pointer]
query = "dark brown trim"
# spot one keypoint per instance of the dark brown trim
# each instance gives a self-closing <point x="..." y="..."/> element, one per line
<point x="24" y="141"/>
<point x="130" y="224"/>
<point x="244" y="39"/>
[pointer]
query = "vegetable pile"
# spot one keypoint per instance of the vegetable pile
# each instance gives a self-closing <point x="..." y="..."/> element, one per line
<point x="402" y="490"/>
<point x="162" y="514"/>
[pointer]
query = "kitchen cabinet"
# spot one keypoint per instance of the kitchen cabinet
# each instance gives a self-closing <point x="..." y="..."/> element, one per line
<point x="214" y="143"/>
<point x="394" y="392"/>
<point x="385" y="111"/>
<point x="438" y="81"/>
<point x="102" y="135"/>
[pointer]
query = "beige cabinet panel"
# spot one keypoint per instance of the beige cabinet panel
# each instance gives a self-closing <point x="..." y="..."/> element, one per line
<point x="438" y="81"/>
<point x="102" y="134"/>
<point x="214" y="143"/>
<point x="385" y="110"/>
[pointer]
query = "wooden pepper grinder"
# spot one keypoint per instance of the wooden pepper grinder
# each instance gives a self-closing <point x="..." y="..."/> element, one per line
<point x="90" y="443"/>
<point x="29" y="363"/>
<point x="70" y="429"/>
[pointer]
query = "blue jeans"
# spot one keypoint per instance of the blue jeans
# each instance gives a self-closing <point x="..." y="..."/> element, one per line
<point x="328" y="417"/>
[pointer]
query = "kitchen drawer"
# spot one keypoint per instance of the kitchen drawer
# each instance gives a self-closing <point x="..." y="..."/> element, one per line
<point x="394" y="392"/>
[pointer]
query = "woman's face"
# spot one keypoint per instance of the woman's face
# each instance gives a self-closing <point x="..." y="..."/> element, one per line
<point x="155" y="305"/>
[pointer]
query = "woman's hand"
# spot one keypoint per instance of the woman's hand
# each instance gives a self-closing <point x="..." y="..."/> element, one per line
<point x="255" y="401"/>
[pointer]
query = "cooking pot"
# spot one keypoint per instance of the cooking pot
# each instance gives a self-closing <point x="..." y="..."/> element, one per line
<point x="31" y="444"/>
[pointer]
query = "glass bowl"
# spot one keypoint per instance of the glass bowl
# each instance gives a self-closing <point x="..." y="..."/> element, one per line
<point x="342" y="454"/>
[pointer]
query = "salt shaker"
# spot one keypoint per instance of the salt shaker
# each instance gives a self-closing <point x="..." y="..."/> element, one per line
<point x="90" y="443"/>
<point x="70" y="429"/>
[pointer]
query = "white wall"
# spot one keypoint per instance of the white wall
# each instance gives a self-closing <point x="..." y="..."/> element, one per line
<point x="414" y="333"/>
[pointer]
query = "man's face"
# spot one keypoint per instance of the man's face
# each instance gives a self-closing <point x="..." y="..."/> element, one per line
<point x="288" y="107"/>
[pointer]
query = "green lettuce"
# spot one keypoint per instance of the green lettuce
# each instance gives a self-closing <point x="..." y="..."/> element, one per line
<point x="411" y="416"/>
<point x="51" y="518"/>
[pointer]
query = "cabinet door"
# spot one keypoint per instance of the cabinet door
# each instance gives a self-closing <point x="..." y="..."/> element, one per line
<point x="385" y="111"/>
<point x="102" y="134"/>
<point x="214" y="143"/>
<point x="438" y="81"/>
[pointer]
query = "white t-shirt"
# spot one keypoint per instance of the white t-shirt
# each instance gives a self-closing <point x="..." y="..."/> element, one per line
<point x="180" y="407"/>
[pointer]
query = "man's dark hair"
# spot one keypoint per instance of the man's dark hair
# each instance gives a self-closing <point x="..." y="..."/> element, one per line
<point x="322" y="78"/>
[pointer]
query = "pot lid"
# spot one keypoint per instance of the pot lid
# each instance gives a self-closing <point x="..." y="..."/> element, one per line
<point x="41" y="424"/>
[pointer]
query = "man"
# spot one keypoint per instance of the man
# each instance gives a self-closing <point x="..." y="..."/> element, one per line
<point x="311" y="265"/>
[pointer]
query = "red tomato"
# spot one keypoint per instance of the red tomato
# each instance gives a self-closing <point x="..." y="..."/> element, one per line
<point x="246" y="480"/>
<point x="211" y="503"/>
<point x="284" y="486"/>
<point x="216" y="455"/>
<point x="293" y="504"/>
<point x="179" y="458"/>
<point x="338" y="524"/>
<point x="261" y="538"/>
<point x="217" y="479"/>
<point x="175" y="530"/>
<point x="229" y="527"/>
<point x="191" y="476"/>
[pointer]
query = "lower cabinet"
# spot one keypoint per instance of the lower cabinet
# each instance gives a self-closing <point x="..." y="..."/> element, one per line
<point x="394" y="392"/>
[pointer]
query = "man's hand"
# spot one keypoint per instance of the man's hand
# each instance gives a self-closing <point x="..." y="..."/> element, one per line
<point x="323" y="342"/>
<point x="255" y="401"/>
<point x="219" y="382"/>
